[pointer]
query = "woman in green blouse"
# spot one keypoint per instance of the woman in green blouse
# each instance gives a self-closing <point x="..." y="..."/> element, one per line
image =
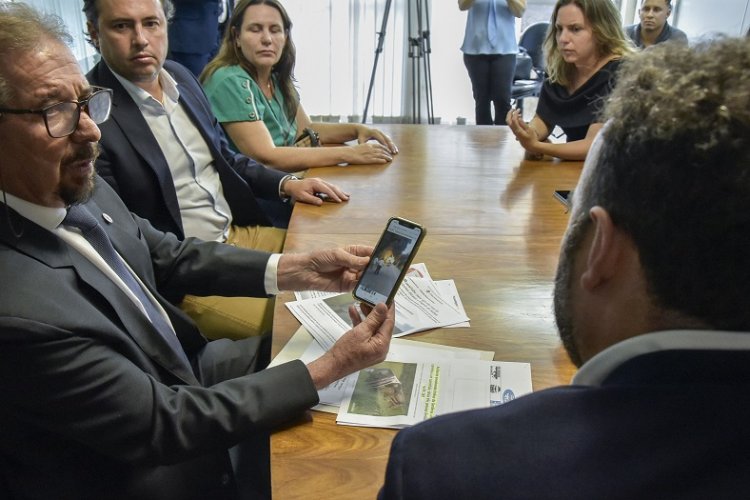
<point x="250" y="86"/>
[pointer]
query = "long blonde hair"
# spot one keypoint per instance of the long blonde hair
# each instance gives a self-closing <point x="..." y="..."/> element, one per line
<point x="231" y="55"/>
<point x="609" y="36"/>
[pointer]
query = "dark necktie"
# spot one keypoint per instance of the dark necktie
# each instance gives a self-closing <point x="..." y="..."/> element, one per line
<point x="79" y="217"/>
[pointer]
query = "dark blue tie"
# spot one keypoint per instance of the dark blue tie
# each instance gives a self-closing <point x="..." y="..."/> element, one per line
<point x="79" y="217"/>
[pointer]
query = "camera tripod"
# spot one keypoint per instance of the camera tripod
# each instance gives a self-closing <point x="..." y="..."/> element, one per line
<point x="419" y="51"/>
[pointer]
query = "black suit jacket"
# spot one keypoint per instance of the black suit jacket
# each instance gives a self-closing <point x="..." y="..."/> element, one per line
<point x="664" y="425"/>
<point x="95" y="403"/>
<point x="132" y="162"/>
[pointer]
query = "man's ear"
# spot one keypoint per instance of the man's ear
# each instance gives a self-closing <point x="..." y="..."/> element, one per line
<point x="605" y="251"/>
<point x="93" y="34"/>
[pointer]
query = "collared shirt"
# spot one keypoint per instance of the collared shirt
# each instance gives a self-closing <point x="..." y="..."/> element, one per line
<point x="667" y="33"/>
<point x="596" y="370"/>
<point x="51" y="219"/>
<point x="204" y="210"/>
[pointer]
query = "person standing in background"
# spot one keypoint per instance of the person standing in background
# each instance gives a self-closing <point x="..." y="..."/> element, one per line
<point x="196" y="30"/>
<point x="654" y="27"/>
<point x="490" y="49"/>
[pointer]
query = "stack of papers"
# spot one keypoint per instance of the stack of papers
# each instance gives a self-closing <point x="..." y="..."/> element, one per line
<point x="417" y="380"/>
<point x="421" y="304"/>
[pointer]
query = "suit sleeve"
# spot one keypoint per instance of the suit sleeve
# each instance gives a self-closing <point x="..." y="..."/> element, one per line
<point x="85" y="387"/>
<point x="176" y="267"/>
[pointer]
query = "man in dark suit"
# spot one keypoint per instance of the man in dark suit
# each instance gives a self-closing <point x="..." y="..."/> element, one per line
<point x="109" y="391"/>
<point x="651" y="301"/>
<point x="167" y="157"/>
<point x="196" y="30"/>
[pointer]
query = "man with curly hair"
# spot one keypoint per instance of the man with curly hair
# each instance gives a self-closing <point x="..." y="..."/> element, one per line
<point x="651" y="301"/>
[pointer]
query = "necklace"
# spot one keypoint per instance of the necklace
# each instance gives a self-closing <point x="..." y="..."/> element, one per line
<point x="268" y="89"/>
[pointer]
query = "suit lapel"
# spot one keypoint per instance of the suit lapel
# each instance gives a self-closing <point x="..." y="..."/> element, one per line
<point x="135" y="129"/>
<point x="50" y="250"/>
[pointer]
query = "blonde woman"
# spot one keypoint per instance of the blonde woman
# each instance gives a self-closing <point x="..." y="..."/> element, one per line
<point x="583" y="47"/>
<point x="250" y="84"/>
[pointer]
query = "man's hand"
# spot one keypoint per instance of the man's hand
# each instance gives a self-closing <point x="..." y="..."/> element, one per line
<point x="364" y="345"/>
<point x="333" y="270"/>
<point x="309" y="190"/>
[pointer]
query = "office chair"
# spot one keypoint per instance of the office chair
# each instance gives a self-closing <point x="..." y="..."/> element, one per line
<point x="530" y="67"/>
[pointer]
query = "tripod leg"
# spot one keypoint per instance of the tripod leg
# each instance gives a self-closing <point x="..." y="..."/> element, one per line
<point x="378" y="50"/>
<point x="427" y="67"/>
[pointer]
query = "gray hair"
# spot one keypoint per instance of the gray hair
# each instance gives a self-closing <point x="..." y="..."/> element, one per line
<point x="24" y="28"/>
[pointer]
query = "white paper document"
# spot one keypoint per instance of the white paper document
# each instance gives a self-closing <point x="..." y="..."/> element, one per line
<point x="397" y="394"/>
<point x="421" y="304"/>
<point x="334" y="394"/>
<point x="303" y="347"/>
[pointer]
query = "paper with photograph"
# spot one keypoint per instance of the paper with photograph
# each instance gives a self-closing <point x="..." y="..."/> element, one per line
<point x="397" y="394"/>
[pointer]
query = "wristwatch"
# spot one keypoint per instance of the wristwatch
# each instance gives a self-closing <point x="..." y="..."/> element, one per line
<point x="283" y="194"/>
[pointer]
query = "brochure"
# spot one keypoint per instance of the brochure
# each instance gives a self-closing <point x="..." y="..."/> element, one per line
<point x="397" y="394"/>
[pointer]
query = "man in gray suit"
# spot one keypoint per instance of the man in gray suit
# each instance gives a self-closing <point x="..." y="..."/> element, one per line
<point x="108" y="390"/>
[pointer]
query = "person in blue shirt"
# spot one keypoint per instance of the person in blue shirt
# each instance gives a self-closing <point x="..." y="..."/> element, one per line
<point x="490" y="49"/>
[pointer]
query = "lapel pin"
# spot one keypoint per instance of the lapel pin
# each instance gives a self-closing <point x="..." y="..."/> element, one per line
<point x="107" y="218"/>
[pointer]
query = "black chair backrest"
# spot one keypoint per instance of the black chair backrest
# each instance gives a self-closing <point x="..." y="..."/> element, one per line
<point x="532" y="39"/>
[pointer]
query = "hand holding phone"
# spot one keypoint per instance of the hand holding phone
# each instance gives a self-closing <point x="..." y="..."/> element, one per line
<point x="389" y="262"/>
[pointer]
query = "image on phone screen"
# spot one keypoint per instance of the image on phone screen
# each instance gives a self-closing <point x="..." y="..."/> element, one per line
<point x="389" y="261"/>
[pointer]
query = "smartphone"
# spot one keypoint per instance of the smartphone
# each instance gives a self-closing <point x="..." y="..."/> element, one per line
<point x="563" y="197"/>
<point x="389" y="262"/>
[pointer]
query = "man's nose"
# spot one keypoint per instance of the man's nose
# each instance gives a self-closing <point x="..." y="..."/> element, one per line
<point x="87" y="130"/>
<point x="139" y="38"/>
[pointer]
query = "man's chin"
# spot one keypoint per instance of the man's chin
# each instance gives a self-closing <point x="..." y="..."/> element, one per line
<point x="73" y="193"/>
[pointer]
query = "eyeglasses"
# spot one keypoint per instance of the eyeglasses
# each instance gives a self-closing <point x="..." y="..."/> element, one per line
<point x="62" y="119"/>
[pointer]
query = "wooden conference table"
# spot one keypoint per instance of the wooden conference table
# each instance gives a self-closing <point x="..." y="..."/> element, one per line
<point x="493" y="226"/>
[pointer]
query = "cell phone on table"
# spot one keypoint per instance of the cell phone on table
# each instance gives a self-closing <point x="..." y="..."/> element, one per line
<point x="563" y="197"/>
<point x="389" y="262"/>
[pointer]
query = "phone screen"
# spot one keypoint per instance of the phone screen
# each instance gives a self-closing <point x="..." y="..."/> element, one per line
<point x="389" y="261"/>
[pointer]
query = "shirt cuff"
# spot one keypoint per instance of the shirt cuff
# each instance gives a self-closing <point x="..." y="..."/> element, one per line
<point x="282" y="194"/>
<point x="270" y="280"/>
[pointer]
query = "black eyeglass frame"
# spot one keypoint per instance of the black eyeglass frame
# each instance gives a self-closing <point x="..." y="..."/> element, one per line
<point x="80" y="105"/>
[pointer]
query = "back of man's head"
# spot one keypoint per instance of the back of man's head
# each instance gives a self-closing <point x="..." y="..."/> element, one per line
<point x="674" y="173"/>
<point x="24" y="28"/>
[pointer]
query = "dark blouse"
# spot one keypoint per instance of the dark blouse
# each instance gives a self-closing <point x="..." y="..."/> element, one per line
<point x="575" y="112"/>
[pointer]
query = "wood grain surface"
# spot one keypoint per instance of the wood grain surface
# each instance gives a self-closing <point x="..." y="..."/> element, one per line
<point x="493" y="226"/>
